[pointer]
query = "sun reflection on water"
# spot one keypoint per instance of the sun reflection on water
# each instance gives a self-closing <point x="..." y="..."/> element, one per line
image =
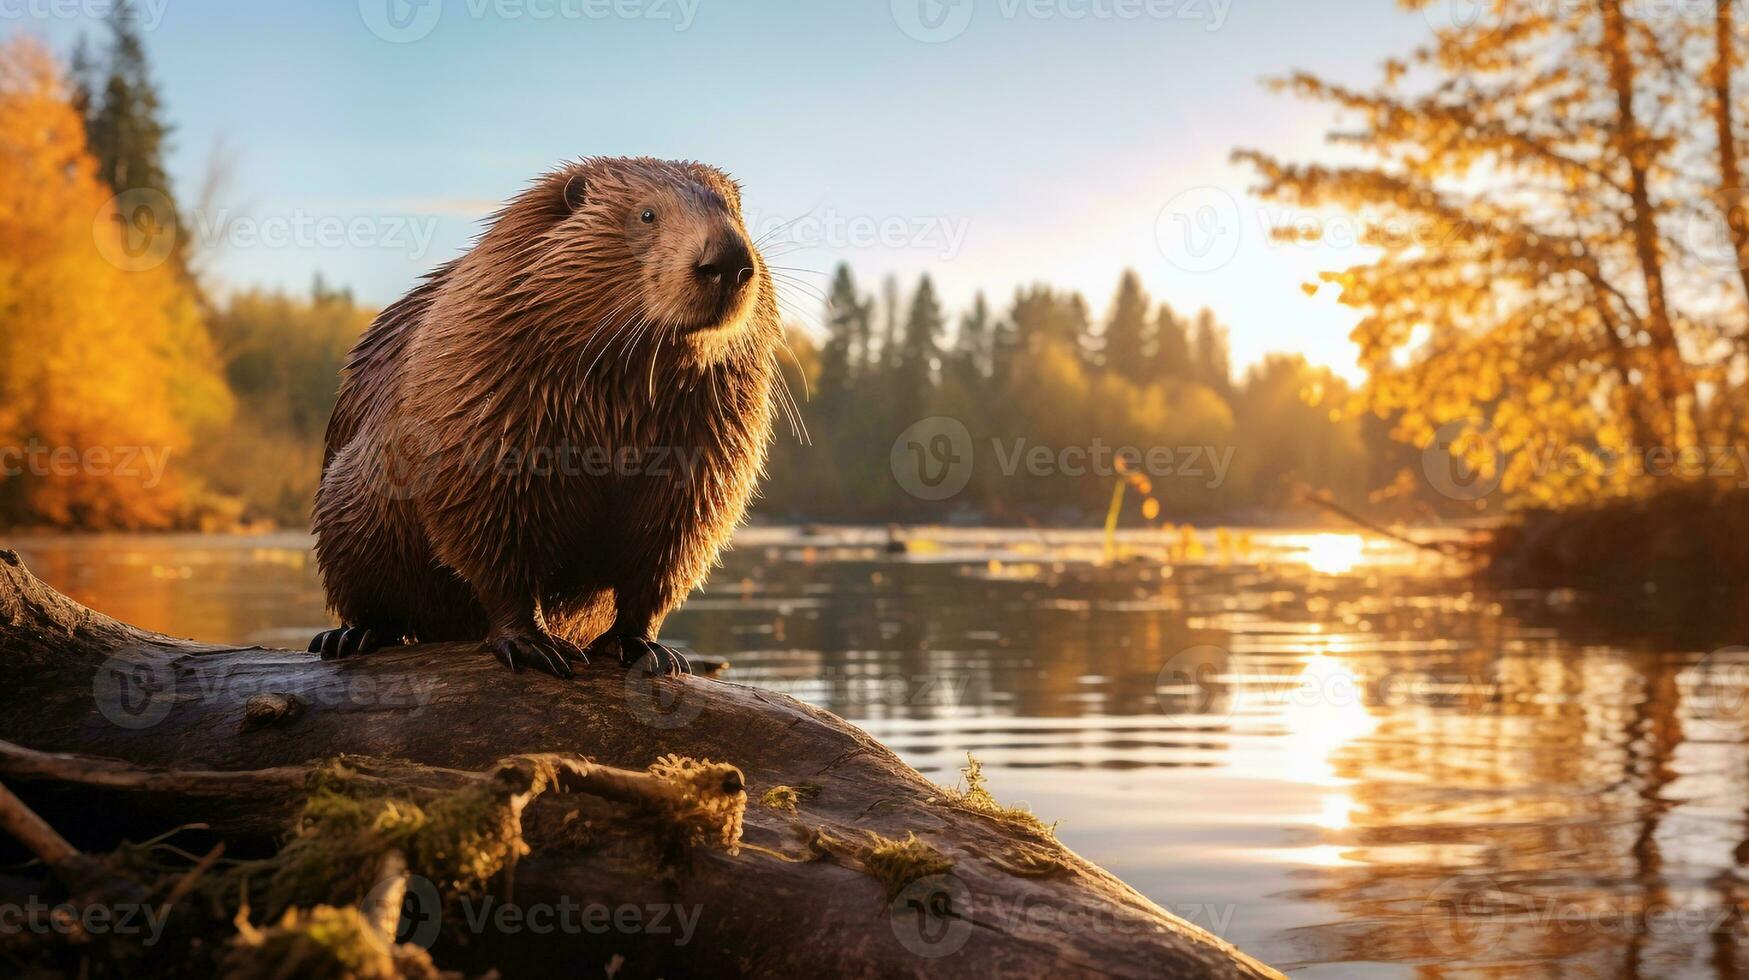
<point x="1333" y="554"/>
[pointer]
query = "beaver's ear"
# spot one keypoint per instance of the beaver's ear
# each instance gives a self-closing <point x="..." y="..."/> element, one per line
<point x="576" y="191"/>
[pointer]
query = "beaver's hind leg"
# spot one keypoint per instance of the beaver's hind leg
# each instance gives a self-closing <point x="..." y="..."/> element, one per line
<point x="519" y="638"/>
<point x="538" y="649"/>
<point x="377" y="573"/>
<point x="635" y="650"/>
<point x="632" y="637"/>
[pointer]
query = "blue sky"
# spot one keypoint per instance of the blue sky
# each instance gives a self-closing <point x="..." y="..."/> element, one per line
<point x="988" y="143"/>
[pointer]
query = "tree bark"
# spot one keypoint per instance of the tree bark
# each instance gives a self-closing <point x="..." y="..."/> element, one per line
<point x="1671" y="372"/>
<point x="1731" y="190"/>
<point x="195" y="732"/>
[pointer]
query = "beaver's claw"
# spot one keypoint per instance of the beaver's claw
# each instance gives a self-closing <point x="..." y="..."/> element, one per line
<point x="544" y="652"/>
<point x="652" y="657"/>
<point x="341" y="643"/>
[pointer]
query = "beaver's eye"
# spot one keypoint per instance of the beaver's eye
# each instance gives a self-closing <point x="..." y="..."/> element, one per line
<point x="649" y="216"/>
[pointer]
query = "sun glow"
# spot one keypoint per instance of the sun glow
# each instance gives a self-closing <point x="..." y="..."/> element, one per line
<point x="1333" y="554"/>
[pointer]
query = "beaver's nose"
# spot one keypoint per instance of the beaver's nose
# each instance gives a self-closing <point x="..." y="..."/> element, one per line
<point x="726" y="264"/>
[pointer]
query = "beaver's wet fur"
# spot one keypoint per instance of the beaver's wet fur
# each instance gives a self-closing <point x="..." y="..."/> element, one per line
<point x="546" y="444"/>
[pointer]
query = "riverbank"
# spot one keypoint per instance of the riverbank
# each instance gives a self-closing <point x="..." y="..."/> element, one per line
<point x="1693" y="538"/>
<point x="1679" y="559"/>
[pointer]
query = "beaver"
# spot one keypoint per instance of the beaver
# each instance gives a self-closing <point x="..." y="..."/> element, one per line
<point x="547" y="443"/>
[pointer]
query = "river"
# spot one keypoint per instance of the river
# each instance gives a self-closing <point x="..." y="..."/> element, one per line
<point x="1331" y="750"/>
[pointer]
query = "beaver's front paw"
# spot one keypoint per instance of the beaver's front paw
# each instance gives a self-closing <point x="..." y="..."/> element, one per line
<point x="644" y="653"/>
<point x="533" y="648"/>
<point x="348" y="640"/>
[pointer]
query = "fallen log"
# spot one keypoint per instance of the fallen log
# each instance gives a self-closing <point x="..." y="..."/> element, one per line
<point x="846" y="862"/>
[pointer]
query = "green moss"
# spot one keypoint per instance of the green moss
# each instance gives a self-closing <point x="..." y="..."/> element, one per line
<point x="976" y="797"/>
<point x="459" y="840"/>
<point x="781" y="798"/>
<point x="898" y="863"/>
<point x="324" y="943"/>
<point x="789" y="797"/>
<point x="357" y="811"/>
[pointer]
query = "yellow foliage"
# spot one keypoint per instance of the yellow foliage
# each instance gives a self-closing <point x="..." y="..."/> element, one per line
<point x="1520" y="177"/>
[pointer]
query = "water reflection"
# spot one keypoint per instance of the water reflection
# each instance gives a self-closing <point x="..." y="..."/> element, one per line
<point x="1318" y="745"/>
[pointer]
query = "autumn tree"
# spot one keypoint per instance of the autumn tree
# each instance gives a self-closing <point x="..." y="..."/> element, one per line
<point x="107" y="376"/>
<point x="281" y="354"/>
<point x="1545" y="186"/>
<point x="1293" y="434"/>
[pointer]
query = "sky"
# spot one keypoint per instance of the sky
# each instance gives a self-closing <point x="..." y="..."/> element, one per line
<point x="986" y="143"/>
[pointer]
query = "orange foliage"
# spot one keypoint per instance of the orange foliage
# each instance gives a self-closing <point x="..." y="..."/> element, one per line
<point x="107" y="375"/>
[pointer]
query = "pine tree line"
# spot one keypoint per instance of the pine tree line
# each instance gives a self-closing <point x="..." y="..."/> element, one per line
<point x="1044" y="371"/>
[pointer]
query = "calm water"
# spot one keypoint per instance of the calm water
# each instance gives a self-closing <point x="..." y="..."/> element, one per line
<point x="1324" y="748"/>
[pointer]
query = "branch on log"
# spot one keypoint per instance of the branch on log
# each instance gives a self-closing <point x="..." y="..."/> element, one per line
<point x="119" y="734"/>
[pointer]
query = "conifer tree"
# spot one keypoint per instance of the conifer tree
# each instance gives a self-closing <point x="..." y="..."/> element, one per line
<point x="846" y="320"/>
<point x="1213" y="364"/>
<point x="972" y="346"/>
<point x="1169" y="347"/>
<point x="1126" y="329"/>
<point x="124" y="123"/>
<point x="920" y="349"/>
